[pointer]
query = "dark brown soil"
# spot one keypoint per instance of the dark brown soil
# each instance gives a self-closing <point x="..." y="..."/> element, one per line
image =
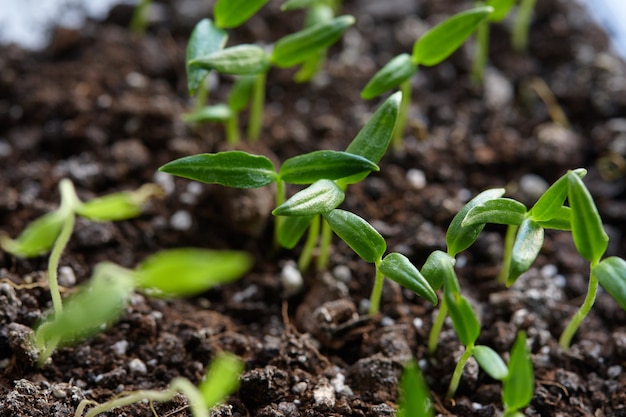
<point x="103" y="108"/>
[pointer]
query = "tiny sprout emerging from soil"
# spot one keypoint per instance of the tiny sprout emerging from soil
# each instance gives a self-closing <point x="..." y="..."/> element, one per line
<point x="414" y="393"/>
<point x="433" y="47"/>
<point x="221" y="379"/>
<point x="103" y="299"/>
<point x="52" y="231"/>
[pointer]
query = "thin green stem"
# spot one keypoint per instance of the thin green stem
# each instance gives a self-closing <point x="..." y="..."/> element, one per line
<point x="458" y="371"/>
<point x="377" y="292"/>
<point x="278" y="220"/>
<point x="435" y="331"/>
<point x="307" y="250"/>
<point x="566" y="337"/>
<point x="139" y="20"/>
<point x="232" y="129"/>
<point x="509" y="241"/>
<point x="202" y="96"/>
<point x="403" y="111"/>
<point x="255" y="123"/>
<point x="326" y="238"/>
<point x="481" y="53"/>
<point x="521" y="25"/>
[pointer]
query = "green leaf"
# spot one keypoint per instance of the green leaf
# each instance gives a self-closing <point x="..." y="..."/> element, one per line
<point x="501" y="9"/>
<point x="517" y="388"/>
<point x="320" y="197"/>
<point x="561" y="219"/>
<point x="241" y="92"/>
<point x="459" y="238"/>
<point x="97" y="304"/>
<point x="415" y="398"/>
<point x="37" y="238"/>
<point x="528" y="244"/>
<point x="297" y="4"/>
<point x="498" y="210"/>
<point x="297" y="47"/>
<point x="394" y="73"/>
<point x="291" y="230"/>
<point x="221" y="378"/>
<point x="237" y="60"/>
<point x="232" y="13"/>
<point x="490" y="362"/>
<point x="189" y="271"/>
<point x="437" y="265"/>
<point x="358" y="234"/>
<point x="326" y="164"/>
<point x="398" y="268"/>
<point x="214" y="113"/>
<point x="205" y="39"/>
<point x="553" y="198"/>
<point x="442" y="40"/>
<point x="587" y="230"/>
<point x="463" y="317"/>
<point x="373" y="139"/>
<point x="611" y="274"/>
<point x="231" y="168"/>
<point x="118" y="206"/>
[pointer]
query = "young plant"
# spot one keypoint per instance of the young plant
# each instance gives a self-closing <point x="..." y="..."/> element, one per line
<point x="433" y="47"/>
<point x="103" y="299"/>
<point x="221" y="379"/>
<point x="414" y="393"/>
<point x="52" y="231"/>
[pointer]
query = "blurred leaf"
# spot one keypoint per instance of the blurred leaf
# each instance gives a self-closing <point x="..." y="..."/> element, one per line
<point x="490" y="362"/>
<point x="320" y="197"/>
<point x="241" y="92"/>
<point x="463" y="317"/>
<point x="398" y="268"/>
<point x="231" y="168"/>
<point x="118" y="206"/>
<point x="518" y="387"/>
<point x="205" y="39"/>
<point x="214" y="113"/>
<point x="437" y="265"/>
<point x="498" y="210"/>
<point x="394" y="73"/>
<point x="237" y="60"/>
<point x="364" y="240"/>
<point x="297" y="4"/>
<point x="501" y="9"/>
<point x="528" y="244"/>
<point x="553" y="198"/>
<point x="221" y="378"/>
<point x="232" y="13"/>
<point x="190" y="271"/>
<point x="414" y="395"/>
<point x="611" y="274"/>
<point x="291" y="229"/>
<point x="325" y="164"/>
<point x="37" y="238"/>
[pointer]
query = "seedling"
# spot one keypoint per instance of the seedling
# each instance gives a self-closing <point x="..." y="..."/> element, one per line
<point x="52" y="231"/>
<point x="140" y="18"/>
<point x="103" y="299"/>
<point x="221" y="379"/>
<point x="414" y="393"/>
<point x="433" y="47"/>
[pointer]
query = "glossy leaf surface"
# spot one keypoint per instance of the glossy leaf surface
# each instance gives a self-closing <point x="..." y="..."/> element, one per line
<point x="611" y="274"/>
<point x="553" y="198"/>
<point x="232" y="13"/>
<point x="37" y="238"/>
<point x="214" y="113"/>
<point x="490" y="362"/>
<point x="205" y="39"/>
<point x="237" y="60"/>
<point x="463" y="317"/>
<point x="528" y="244"/>
<point x="561" y="219"/>
<point x="395" y="72"/>
<point x="362" y="238"/>
<point x="325" y="164"/>
<point x="398" y="268"/>
<point x="518" y="387"/>
<point x="587" y="230"/>
<point x="498" y="210"/>
<point x="320" y="197"/>
<point x="437" y="265"/>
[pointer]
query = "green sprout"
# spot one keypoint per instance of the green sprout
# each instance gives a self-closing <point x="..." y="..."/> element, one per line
<point x="104" y="298"/>
<point x="52" y="231"/>
<point x="433" y="47"/>
<point x="139" y="20"/>
<point x="221" y="379"/>
<point x="414" y="393"/>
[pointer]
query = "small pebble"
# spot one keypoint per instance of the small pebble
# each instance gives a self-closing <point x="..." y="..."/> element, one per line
<point x="291" y="279"/>
<point x="614" y="371"/>
<point x="136" y="366"/>
<point x="120" y="347"/>
<point x="66" y="277"/>
<point x="418" y="323"/>
<point x="416" y="178"/>
<point x="181" y="220"/>
<point x="166" y="181"/>
<point x="342" y="273"/>
<point x="136" y="80"/>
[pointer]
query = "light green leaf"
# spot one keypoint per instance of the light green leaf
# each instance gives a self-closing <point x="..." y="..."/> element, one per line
<point x="561" y="219"/>
<point x="398" y="268"/>
<point x="320" y="197"/>
<point x="214" y="113"/>
<point x="490" y="362"/>
<point x="463" y="317"/>
<point x="297" y="47"/>
<point x="437" y="265"/>
<point x="501" y="9"/>
<point x="414" y="395"/>
<point x="237" y="60"/>
<point x="118" y="206"/>
<point x="498" y="210"/>
<point x="459" y="238"/>
<point x="189" y="271"/>
<point x="517" y="388"/>
<point x="205" y="39"/>
<point x="358" y="234"/>
<point x="241" y="92"/>
<point x="231" y="168"/>
<point x="611" y="274"/>
<point x="528" y="244"/>
<point x="394" y="73"/>
<point x="587" y="230"/>
<point x="221" y="378"/>
<point x="232" y="13"/>
<point x="442" y="40"/>
<point x="297" y="4"/>
<point x="37" y="238"/>
<point x="291" y="229"/>
<point x="553" y="198"/>
<point x="325" y="164"/>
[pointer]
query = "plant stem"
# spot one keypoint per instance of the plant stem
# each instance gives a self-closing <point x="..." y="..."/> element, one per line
<point x="255" y="122"/>
<point x="509" y="241"/>
<point x="139" y="20"/>
<point x="280" y="199"/>
<point x="202" y="96"/>
<point x="377" y="292"/>
<point x="326" y="237"/>
<point x="481" y="53"/>
<point x="566" y="337"/>
<point x="232" y="129"/>
<point x="435" y="331"/>
<point x="521" y="25"/>
<point x="307" y="251"/>
<point x="398" y="132"/>
<point x="458" y="371"/>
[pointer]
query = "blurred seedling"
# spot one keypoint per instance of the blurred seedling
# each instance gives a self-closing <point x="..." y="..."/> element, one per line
<point x="414" y="395"/>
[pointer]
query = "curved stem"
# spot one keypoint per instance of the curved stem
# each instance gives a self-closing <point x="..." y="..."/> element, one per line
<point x="403" y="111"/>
<point x="458" y="371"/>
<point x="326" y="238"/>
<point x="481" y="54"/>
<point x="435" y="331"/>
<point x="307" y="251"/>
<point x="255" y="122"/>
<point x="509" y="241"/>
<point x="377" y="292"/>
<point x="566" y="337"/>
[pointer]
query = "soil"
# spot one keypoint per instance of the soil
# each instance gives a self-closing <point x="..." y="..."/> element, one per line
<point x="103" y="108"/>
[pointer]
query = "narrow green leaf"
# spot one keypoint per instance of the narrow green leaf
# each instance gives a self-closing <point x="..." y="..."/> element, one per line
<point x="528" y="244"/>
<point x="118" y="206"/>
<point x="561" y="219"/>
<point x="442" y="40"/>
<point x="398" y="268"/>
<point x="241" y="92"/>
<point x="517" y="388"/>
<point x="221" y="378"/>
<point x="459" y="238"/>
<point x="205" y="39"/>
<point x="414" y="395"/>
<point x="373" y="139"/>
<point x="325" y="164"/>
<point x="37" y="238"/>
<point x="501" y="9"/>
<point x="437" y="265"/>
<point x="237" y="60"/>
<point x="498" y="210"/>
<point x="587" y="230"/>
<point x="232" y="13"/>
<point x="463" y="317"/>
<point x="395" y="72"/>
<point x="297" y="4"/>
<point x="189" y="271"/>
<point x="553" y="198"/>
<point x="490" y="362"/>
<point x="214" y="113"/>
<point x="358" y="234"/>
<point x="297" y="47"/>
<point x="611" y="274"/>
<point x="320" y="197"/>
<point x="291" y="230"/>
<point x="231" y="168"/>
